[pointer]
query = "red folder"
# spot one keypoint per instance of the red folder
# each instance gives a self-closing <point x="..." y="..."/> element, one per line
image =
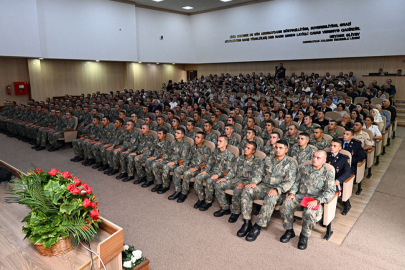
<point x="306" y="200"/>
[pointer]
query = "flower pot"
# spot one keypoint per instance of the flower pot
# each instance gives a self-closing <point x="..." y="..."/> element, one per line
<point x="61" y="247"/>
<point x="143" y="266"/>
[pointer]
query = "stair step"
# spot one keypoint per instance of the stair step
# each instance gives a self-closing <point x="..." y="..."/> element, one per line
<point x="402" y="105"/>
<point x="401" y="110"/>
<point x="401" y="115"/>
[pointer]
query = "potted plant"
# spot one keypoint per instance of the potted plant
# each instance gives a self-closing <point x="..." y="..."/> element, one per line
<point x="132" y="259"/>
<point x="63" y="210"/>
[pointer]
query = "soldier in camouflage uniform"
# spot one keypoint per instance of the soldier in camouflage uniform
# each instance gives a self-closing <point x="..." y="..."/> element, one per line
<point x="84" y="121"/>
<point x="332" y="130"/>
<point x="170" y="117"/>
<point x="106" y="152"/>
<point x="279" y="175"/>
<point x="302" y="151"/>
<point x="250" y="137"/>
<point x="285" y="125"/>
<point x="209" y="135"/>
<point x="79" y="144"/>
<point x="291" y="137"/>
<point x="68" y="124"/>
<point x="144" y="145"/>
<point x="250" y="124"/>
<point x="56" y="123"/>
<point x="114" y="115"/>
<point x="183" y="119"/>
<point x="318" y="141"/>
<point x="175" y="126"/>
<point x="221" y="117"/>
<point x="204" y="115"/>
<point x="232" y="140"/>
<point x="199" y="155"/>
<point x="315" y="181"/>
<point x="197" y="120"/>
<point x="247" y="168"/>
<point x="178" y="151"/>
<point x="231" y="121"/>
<point x="269" y="148"/>
<point x="267" y="118"/>
<point x="190" y="131"/>
<point x="219" y="164"/>
<point x="160" y="124"/>
<point x="268" y="129"/>
<point x="214" y="123"/>
<point x="233" y="115"/>
<point x="307" y="126"/>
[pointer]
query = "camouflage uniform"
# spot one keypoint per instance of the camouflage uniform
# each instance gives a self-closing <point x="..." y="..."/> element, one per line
<point x="196" y="157"/>
<point x="335" y="134"/>
<point x="199" y="124"/>
<point x="108" y="137"/>
<point x="245" y="130"/>
<point x="291" y="141"/>
<point x="68" y="125"/>
<point x="91" y="150"/>
<point x="218" y="163"/>
<point x="233" y="140"/>
<point x="42" y="135"/>
<point x="144" y="145"/>
<point x="306" y="129"/>
<point x="317" y="184"/>
<point x="156" y="128"/>
<point x="156" y="150"/>
<point x="320" y="145"/>
<point x="130" y="143"/>
<point x="217" y="126"/>
<point x="86" y="120"/>
<point x="212" y="137"/>
<point x="177" y="151"/>
<point x="269" y="150"/>
<point x="191" y="134"/>
<point x="206" y="117"/>
<point x="79" y="145"/>
<point x="116" y="140"/>
<point x="243" y="171"/>
<point x="265" y="136"/>
<point x="279" y="175"/>
<point x="243" y="143"/>
<point x="172" y="131"/>
<point x="96" y="136"/>
<point x="302" y="155"/>
<point x="284" y="128"/>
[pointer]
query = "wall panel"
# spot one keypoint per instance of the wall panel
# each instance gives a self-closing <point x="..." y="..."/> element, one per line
<point x="12" y="70"/>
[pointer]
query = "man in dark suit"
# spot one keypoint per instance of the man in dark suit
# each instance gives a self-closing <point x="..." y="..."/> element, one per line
<point x="342" y="168"/>
<point x="156" y="106"/>
<point x="324" y="108"/>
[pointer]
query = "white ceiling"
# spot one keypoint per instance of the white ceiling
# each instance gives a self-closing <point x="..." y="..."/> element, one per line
<point x="199" y="5"/>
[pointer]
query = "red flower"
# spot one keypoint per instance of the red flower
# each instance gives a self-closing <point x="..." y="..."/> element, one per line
<point x="87" y="189"/>
<point x="93" y="205"/>
<point x="76" y="190"/>
<point x="38" y="170"/>
<point x="66" y="175"/>
<point x="70" y="187"/>
<point x="77" y="181"/>
<point x="53" y="172"/>
<point x="85" y="185"/>
<point x="94" y="214"/>
<point x="87" y="203"/>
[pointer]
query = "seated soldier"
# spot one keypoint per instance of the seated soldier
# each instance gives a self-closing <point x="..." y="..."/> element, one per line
<point x="197" y="120"/>
<point x="320" y="120"/>
<point x="183" y="119"/>
<point x="80" y="145"/>
<point x="160" y="120"/>
<point x="362" y="136"/>
<point x="134" y="118"/>
<point x="250" y="124"/>
<point x="308" y="126"/>
<point x="199" y="155"/>
<point x="170" y="117"/>
<point x="267" y="118"/>
<point x="105" y="134"/>
<point x="232" y="140"/>
<point x="250" y="137"/>
<point x="190" y="132"/>
<point x="342" y="168"/>
<point x="114" y="139"/>
<point x="315" y="181"/>
<point x="175" y="125"/>
<point x="209" y="135"/>
<point x="292" y="136"/>
<point x="219" y="164"/>
<point x="214" y="123"/>
<point x="332" y="130"/>
<point x="247" y="168"/>
<point x="268" y="129"/>
<point x="301" y="151"/>
<point x="318" y="141"/>
<point x="177" y="152"/>
<point x="232" y="121"/>
<point x="69" y="124"/>
<point x="354" y="147"/>
<point x="269" y="148"/>
<point x="286" y="124"/>
<point x="279" y="175"/>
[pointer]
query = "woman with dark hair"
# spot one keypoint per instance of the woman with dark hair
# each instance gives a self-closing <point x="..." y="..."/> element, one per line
<point x="280" y="117"/>
<point x="355" y="115"/>
<point x="289" y="105"/>
<point x="208" y="108"/>
<point x="300" y="117"/>
<point x="361" y="86"/>
<point x="311" y="112"/>
<point x="370" y="125"/>
<point x="347" y="84"/>
<point x="341" y="109"/>
<point x="359" y="108"/>
<point x="380" y="94"/>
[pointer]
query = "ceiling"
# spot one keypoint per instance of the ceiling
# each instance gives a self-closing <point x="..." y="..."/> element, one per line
<point x="199" y="5"/>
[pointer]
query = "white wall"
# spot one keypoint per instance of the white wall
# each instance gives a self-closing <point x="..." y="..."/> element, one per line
<point x="90" y="29"/>
<point x="19" y="34"/>
<point x="381" y="24"/>
<point x="176" y="46"/>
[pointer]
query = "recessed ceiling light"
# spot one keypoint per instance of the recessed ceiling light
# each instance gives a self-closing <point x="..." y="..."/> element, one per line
<point x="157" y="0"/>
<point x="97" y="60"/>
<point x="174" y="63"/>
<point x="41" y="58"/>
<point x="225" y="0"/>
<point x="187" y="7"/>
<point x="157" y="63"/>
<point x="140" y="62"/>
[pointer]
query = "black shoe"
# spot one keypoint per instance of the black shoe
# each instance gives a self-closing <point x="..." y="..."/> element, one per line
<point x="140" y="180"/>
<point x="33" y="142"/>
<point x="85" y="161"/>
<point x="121" y="176"/>
<point x="113" y="172"/>
<point x="182" y="198"/>
<point x="90" y="162"/>
<point x="74" y="158"/>
<point x="128" y="178"/>
<point x="53" y="149"/>
<point x="103" y="168"/>
<point x="233" y="218"/>
<point x="287" y="236"/>
<point x="222" y="212"/>
<point x="78" y="159"/>
<point x="147" y="184"/>
<point x="174" y="196"/>
<point x="163" y="190"/>
<point x="98" y="165"/>
<point x="108" y="170"/>
<point x="156" y="188"/>
<point x="35" y="146"/>
<point x="303" y="242"/>
<point x="253" y="233"/>
<point x="40" y="148"/>
<point x="243" y="231"/>
<point x="198" y="204"/>
<point x="205" y="206"/>
<point x="347" y="208"/>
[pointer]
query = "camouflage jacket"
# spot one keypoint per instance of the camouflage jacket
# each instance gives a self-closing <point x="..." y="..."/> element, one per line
<point x="284" y="128"/>
<point x="317" y="184"/>
<point x="291" y="141"/>
<point x="68" y="124"/>
<point x="220" y="162"/>
<point x="212" y="137"/>
<point x="306" y="129"/>
<point x="246" y="170"/>
<point x="279" y="175"/>
<point x="197" y="156"/>
<point x="335" y="134"/>
<point x="269" y="150"/>
<point x="191" y="134"/>
<point x="131" y="141"/>
<point x="156" y="128"/>
<point x="86" y="119"/>
<point x="176" y="151"/>
<point x="265" y="136"/>
<point x="233" y="140"/>
<point x="302" y="155"/>
<point x="320" y="145"/>
<point x="243" y="143"/>
<point x="158" y="148"/>
<point x="217" y="126"/>
<point x="93" y="131"/>
<point x="145" y="143"/>
<point x="199" y="124"/>
<point x="118" y="138"/>
<point x="105" y="133"/>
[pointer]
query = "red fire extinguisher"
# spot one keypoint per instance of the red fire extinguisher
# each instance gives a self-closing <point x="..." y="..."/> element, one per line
<point x="8" y="88"/>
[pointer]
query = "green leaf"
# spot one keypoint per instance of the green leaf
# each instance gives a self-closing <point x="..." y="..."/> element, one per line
<point x="68" y="207"/>
<point x="50" y="242"/>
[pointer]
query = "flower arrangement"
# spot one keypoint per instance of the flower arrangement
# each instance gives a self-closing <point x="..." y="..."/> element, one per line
<point x="131" y="257"/>
<point x="61" y="206"/>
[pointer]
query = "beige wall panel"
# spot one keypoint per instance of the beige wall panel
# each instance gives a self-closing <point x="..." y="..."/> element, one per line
<point x="12" y="70"/>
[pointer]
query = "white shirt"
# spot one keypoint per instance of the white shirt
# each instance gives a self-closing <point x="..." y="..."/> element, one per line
<point x="375" y="130"/>
<point x="332" y="106"/>
<point x="173" y="105"/>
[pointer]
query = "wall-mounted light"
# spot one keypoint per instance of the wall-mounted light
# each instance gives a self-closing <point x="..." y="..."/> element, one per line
<point x="187" y="7"/>
<point x="157" y="63"/>
<point x="41" y="58"/>
<point x="140" y="62"/>
<point x="158" y="1"/>
<point x="173" y="63"/>
<point x="97" y="60"/>
<point x="225" y="0"/>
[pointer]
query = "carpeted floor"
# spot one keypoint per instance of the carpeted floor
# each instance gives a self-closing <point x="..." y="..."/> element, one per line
<point x="176" y="236"/>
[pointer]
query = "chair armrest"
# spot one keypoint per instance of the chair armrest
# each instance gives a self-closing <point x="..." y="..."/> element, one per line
<point x="225" y="173"/>
<point x="202" y="166"/>
<point x="329" y="210"/>
<point x="370" y="157"/>
<point x="70" y="135"/>
<point x="361" y="167"/>
<point x="70" y="130"/>
<point x="229" y="191"/>
<point x="180" y="161"/>
<point x="348" y="188"/>
<point x="360" y="163"/>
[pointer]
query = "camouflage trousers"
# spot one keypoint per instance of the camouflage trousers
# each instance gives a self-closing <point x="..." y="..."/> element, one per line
<point x="11" y="126"/>
<point x="82" y="130"/>
<point x="260" y="193"/>
<point x="183" y="186"/>
<point x="42" y="136"/>
<point x="98" y="153"/>
<point x="157" y="170"/>
<point x="206" y="192"/>
<point x="113" y="158"/>
<point x="149" y="170"/>
<point x="104" y="153"/>
<point x="166" y="174"/>
<point x="135" y="162"/>
<point x="123" y="160"/>
<point x="87" y="146"/>
<point x="237" y="194"/>
<point x="309" y="216"/>
<point x="53" y="139"/>
<point x="78" y="148"/>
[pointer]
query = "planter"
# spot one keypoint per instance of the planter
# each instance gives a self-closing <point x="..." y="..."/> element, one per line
<point x="61" y="247"/>
<point x="143" y="266"/>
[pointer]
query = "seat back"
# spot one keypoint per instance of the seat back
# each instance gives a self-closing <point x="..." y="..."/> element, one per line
<point x="333" y="115"/>
<point x="359" y="100"/>
<point x="168" y="125"/>
<point x="216" y="132"/>
<point x="240" y="118"/>
<point x="221" y="124"/>
<point x="238" y="127"/>
<point x="340" y="130"/>
<point x="141" y="121"/>
<point x="197" y="129"/>
<point x="279" y="131"/>
<point x="376" y="101"/>
<point x="189" y="140"/>
<point x="76" y="122"/>
<point x="369" y="132"/>
<point x="348" y="154"/>
<point x="258" y="129"/>
<point x="261" y="141"/>
<point x="153" y="124"/>
<point x="138" y="130"/>
<point x="233" y="149"/>
<point x="237" y="136"/>
<point x="260" y="154"/>
<point x="169" y="137"/>
<point x="327" y="137"/>
<point x="153" y="133"/>
<point x="211" y="145"/>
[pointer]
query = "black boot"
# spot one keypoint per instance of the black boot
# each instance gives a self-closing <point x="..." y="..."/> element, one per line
<point x="163" y="190"/>
<point x="90" y="162"/>
<point x="198" y="204"/>
<point x="85" y="161"/>
<point x="78" y="159"/>
<point x="103" y="168"/>
<point x="205" y="206"/>
<point x="74" y="158"/>
<point x="98" y="165"/>
<point x="233" y="218"/>
<point x="113" y="172"/>
<point x="174" y="196"/>
<point x="182" y="198"/>
<point x="140" y="180"/>
<point x="35" y="146"/>
<point x="247" y="225"/>
<point x="303" y="242"/>
<point x="40" y="148"/>
<point x="121" y="176"/>
<point x="347" y="207"/>
<point x="128" y="178"/>
<point x="222" y="212"/>
<point x="287" y="236"/>
<point x="156" y="188"/>
<point x="147" y="184"/>
<point x="253" y="233"/>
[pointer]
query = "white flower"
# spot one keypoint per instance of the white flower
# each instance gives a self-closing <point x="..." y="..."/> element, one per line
<point x="126" y="247"/>
<point x="127" y="264"/>
<point x="137" y="254"/>
<point x="133" y="259"/>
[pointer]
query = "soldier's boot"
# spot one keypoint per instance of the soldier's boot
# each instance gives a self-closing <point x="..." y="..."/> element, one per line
<point x="205" y="206"/>
<point x="78" y="159"/>
<point x="103" y="167"/>
<point x="174" y="196"/>
<point x="253" y="233"/>
<point x="222" y="212"/>
<point x="128" y="178"/>
<point x="140" y="180"/>
<point x="147" y="184"/>
<point x="347" y="207"/>
<point x="40" y="148"/>
<point x="198" y="204"/>
<point x="285" y="238"/>
<point x="108" y="170"/>
<point x="121" y="176"/>
<point x="246" y="227"/>
<point x="90" y="162"/>
<point x="156" y="188"/>
<point x="182" y="198"/>
<point x="85" y="161"/>
<point x="303" y="242"/>
<point x="233" y="218"/>
<point x="35" y="146"/>
<point x="113" y="172"/>
<point x="74" y="158"/>
<point x="98" y="165"/>
<point x="163" y="190"/>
